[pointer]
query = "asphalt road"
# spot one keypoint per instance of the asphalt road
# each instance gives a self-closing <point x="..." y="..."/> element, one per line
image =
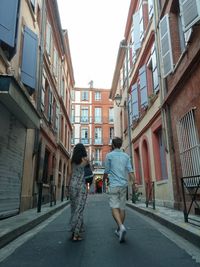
<point x="147" y="244"/>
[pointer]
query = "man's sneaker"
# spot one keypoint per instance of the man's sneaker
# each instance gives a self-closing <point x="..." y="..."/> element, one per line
<point x="122" y="233"/>
<point x="117" y="233"/>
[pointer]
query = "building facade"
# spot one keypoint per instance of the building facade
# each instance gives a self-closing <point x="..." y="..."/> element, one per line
<point x="93" y="124"/>
<point x="36" y="78"/>
<point x="136" y="81"/>
<point x="179" y="35"/>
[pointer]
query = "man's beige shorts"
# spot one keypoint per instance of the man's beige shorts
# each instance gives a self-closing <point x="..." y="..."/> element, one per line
<point x="117" y="197"/>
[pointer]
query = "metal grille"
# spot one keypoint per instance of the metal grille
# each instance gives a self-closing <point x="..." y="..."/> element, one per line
<point x="189" y="147"/>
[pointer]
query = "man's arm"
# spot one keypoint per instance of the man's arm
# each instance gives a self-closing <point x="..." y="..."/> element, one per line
<point x="131" y="177"/>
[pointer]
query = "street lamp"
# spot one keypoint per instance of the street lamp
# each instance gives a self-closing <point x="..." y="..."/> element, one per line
<point x="118" y="99"/>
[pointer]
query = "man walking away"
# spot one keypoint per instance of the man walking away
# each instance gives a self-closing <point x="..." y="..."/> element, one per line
<point x="117" y="169"/>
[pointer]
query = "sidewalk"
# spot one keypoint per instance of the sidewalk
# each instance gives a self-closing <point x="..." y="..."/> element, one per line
<point x="172" y="219"/>
<point x="15" y="226"/>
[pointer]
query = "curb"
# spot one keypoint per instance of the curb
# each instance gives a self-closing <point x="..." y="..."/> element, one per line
<point x="13" y="234"/>
<point x="189" y="236"/>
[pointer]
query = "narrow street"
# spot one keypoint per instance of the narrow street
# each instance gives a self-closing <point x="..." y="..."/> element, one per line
<point x="146" y="242"/>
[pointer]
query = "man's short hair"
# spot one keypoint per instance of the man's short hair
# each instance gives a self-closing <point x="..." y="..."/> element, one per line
<point x="117" y="142"/>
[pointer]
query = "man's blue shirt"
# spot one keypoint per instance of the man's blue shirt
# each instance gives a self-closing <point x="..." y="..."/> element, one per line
<point x="117" y="166"/>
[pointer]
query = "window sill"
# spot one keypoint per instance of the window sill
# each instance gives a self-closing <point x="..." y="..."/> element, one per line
<point x="161" y="182"/>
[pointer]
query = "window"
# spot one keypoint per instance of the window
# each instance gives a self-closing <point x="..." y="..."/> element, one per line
<point x="138" y="166"/>
<point x="84" y="136"/>
<point x="62" y="88"/>
<point x="57" y="118"/>
<point x="73" y="95"/>
<point x="159" y="152"/>
<point x="143" y="86"/>
<point x="43" y="92"/>
<point x="111" y="114"/>
<point x="97" y="116"/>
<point x="97" y="96"/>
<point x="161" y="144"/>
<point x="50" y="107"/>
<point x="97" y="157"/>
<point x="134" y="99"/>
<point x="190" y="13"/>
<point x="138" y="27"/>
<point x="152" y="65"/>
<point x="73" y="115"/>
<point x="84" y="96"/>
<point x="8" y="26"/>
<point x="111" y="134"/>
<point x="45" y="174"/>
<point x="48" y="38"/>
<point x="98" y="136"/>
<point x="84" y="115"/>
<point x="188" y="141"/>
<point x="166" y="50"/>
<point x="150" y="8"/>
<point x="33" y="4"/>
<point x="55" y="63"/>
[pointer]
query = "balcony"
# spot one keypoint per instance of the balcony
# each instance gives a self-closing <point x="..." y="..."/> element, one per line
<point x="17" y="102"/>
<point x="85" y="141"/>
<point x="98" y="141"/>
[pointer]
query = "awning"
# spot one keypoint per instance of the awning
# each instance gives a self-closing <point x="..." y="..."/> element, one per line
<point x="17" y="102"/>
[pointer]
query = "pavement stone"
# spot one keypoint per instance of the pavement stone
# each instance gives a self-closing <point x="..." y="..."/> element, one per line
<point x="15" y="226"/>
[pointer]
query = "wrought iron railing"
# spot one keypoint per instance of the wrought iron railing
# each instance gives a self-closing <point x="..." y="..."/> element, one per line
<point x="191" y="197"/>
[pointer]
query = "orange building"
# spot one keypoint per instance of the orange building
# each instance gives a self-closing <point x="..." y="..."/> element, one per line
<point x="92" y="120"/>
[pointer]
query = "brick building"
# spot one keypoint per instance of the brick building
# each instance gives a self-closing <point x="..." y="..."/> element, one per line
<point x="136" y="81"/>
<point x="179" y="33"/>
<point x="92" y="118"/>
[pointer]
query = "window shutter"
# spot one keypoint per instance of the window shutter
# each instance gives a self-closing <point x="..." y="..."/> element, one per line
<point x="134" y="97"/>
<point x="143" y="86"/>
<point x="136" y="29"/>
<point x="29" y="58"/>
<point x="57" y="118"/>
<point x="190" y="12"/>
<point x="8" y="22"/>
<point x="166" y="51"/>
<point x="129" y="110"/>
<point x="43" y="92"/>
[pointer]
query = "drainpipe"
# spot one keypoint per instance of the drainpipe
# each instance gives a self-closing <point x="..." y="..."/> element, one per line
<point x="165" y="112"/>
<point x="37" y="133"/>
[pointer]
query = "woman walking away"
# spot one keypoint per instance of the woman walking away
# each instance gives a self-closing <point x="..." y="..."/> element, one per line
<point x="77" y="190"/>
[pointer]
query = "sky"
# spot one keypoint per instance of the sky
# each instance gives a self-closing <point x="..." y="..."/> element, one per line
<point x="95" y="29"/>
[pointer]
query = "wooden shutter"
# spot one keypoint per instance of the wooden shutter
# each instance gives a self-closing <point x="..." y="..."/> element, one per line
<point x="29" y="58"/>
<point x="166" y="51"/>
<point x="136" y="29"/>
<point x="134" y="97"/>
<point x="190" y="12"/>
<point x="8" y="21"/>
<point x="143" y="86"/>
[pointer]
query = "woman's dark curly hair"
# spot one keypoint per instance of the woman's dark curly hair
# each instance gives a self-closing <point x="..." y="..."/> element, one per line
<point x="79" y="152"/>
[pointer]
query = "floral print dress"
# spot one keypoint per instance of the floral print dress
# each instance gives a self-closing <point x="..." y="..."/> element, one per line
<point x="78" y="196"/>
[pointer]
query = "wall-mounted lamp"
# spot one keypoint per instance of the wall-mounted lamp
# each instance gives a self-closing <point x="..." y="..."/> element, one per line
<point x="118" y="99"/>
